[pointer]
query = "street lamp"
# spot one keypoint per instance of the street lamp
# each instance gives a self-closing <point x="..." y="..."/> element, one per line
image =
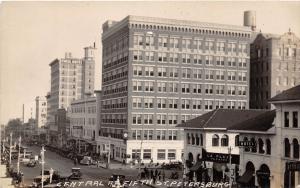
<point x="43" y="163"/>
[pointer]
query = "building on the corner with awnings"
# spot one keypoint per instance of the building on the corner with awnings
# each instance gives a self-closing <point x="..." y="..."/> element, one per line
<point x="210" y="140"/>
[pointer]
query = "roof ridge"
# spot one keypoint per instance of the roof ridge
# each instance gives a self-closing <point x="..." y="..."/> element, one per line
<point x="215" y="111"/>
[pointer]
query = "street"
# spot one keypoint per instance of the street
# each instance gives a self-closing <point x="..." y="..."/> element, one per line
<point x="63" y="166"/>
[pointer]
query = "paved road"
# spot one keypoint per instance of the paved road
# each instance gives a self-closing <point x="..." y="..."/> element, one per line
<point x="64" y="166"/>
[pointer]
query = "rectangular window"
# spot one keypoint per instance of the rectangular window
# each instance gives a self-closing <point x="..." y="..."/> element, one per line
<point x="208" y="105"/>
<point x="149" y="71"/>
<point x="209" y="74"/>
<point x="161" y="154"/>
<point x="148" y="102"/>
<point x="208" y="60"/>
<point x="171" y="154"/>
<point x="196" y="88"/>
<point x="197" y="73"/>
<point x="286" y="119"/>
<point x="147" y="154"/>
<point x="136" y="153"/>
<point x="219" y="104"/>
<point x="295" y="119"/>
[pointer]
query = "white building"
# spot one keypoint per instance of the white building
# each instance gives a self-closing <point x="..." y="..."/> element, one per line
<point x="208" y="139"/>
<point x="83" y="123"/>
<point x="40" y="111"/>
<point x="266" y="164"/>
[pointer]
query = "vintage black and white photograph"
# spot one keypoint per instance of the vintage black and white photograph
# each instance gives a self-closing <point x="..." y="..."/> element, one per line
<point x="157" y="94"/>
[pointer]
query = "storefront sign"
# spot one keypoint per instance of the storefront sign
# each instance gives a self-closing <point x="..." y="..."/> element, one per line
<point x="293" y="166"/>
<point x="262" y="173"/>
<point x="77" y="127"/>
<point x="247" y="143"/>
<point x="221" y="158"/>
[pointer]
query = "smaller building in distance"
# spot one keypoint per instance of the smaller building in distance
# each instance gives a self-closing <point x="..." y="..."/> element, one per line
<point x="83" y="123"/>
<point x="41" y="111"/>
<point x="274" y="67"/>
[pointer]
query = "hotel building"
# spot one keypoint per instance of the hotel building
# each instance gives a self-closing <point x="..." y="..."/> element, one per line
<point x="71" y="79"/>
<point x="160" y="72"/>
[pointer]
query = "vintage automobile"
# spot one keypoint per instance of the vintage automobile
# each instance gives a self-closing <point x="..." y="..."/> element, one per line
<point x="76" y="173"/>
<point x="114" y="178"/>
<point x="31" y="163"/>
<point x="86" y="160"/>
<point x="37" y="182"/>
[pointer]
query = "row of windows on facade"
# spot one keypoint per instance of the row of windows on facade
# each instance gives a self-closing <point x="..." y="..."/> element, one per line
<point x="117" y="60"/>
<point x="147" y="118"/>
<point x="159" y="42"/>
<point x="167" y="87"/>
<point x="164" y="103"/>
<point x="294" y="146"/>
<point x="293" y="116"/>
<point x="67" y="66"/>
<point x="83" y="132"/>
<point x="256" y="96"/>
<point x="115" y="88"/>
<point x="82" y="121"/>
<point x="184" y="58"/>
<point x="149" y="134"/>
<point x="147" y="154"/>
<point x="69" y="80"/>
<point x="115" y="74"/>
<point x="172" y="72"/>
<point x="261" y="67"/>
<point x="282" y="51"/>
<point x="69" y="86"/>
<point x="264" y="147"/>
<point x="90" y="109"/>
<point x="114" y="46"/>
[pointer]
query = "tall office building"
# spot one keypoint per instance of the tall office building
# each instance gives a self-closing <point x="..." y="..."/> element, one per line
<point x="160" y="72"/>
<point x="274" y="66"/>
<point x="71" y="79"/>
<point x="40" y="111"/>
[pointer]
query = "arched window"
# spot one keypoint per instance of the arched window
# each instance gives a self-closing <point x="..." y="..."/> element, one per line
<point x="201" y="140"/>
<point x="287" y="148"/>
<point x="236" y="140"/>
<point x="188" y="138"/>
<point x="215" y="140"/>
<point x="224" y="140"/>
<point x="193" y="139"/>
<point x="246" y="149"/>
<point x="260" y="146"/>
<point x="197" y="140"/>
<point x="254" y="148"/>
<point x="268" y="146"/>
<point x="295" y="149"/>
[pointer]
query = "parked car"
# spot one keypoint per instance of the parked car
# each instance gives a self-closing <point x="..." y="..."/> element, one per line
<point x="76" y="173"/>
<point x="114" y="178"/>
<point x="37" y="182"/>
<point x="32" y="163"/>
<point x="86" y="160"/>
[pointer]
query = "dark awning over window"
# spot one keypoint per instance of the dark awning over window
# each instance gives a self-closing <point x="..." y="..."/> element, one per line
<point x="246" y="177"/>
<point x="196" y="167"/>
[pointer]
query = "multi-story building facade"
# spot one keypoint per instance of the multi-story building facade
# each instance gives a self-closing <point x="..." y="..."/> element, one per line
<point x="274" y="67"/>
<point x="40" y="111"/>
<point x="274" y="161"/>
<point x="160" y="72"/>
<point x="71" y="79"/>
<point x="211" y="139"/>
<point x="83" y="123"/>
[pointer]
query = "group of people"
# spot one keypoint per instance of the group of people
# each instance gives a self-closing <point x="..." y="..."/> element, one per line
<point x="153" y="174"/>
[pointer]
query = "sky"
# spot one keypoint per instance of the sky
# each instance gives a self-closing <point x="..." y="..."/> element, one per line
<point x="32" y="34"/>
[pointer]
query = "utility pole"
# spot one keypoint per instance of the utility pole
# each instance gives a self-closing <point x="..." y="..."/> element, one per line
<point x="108" y="157"/>
<point x="43" y="163"/>
<point x="230" y="178"/>
<point x="140" y="157"/>
<point x="0" y="144"/>
<point x="10" y="145"/>
<point x="18" y="167"/>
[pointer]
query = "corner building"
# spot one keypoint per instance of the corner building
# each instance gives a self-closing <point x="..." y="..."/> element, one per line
<point x="160" y="72"/>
